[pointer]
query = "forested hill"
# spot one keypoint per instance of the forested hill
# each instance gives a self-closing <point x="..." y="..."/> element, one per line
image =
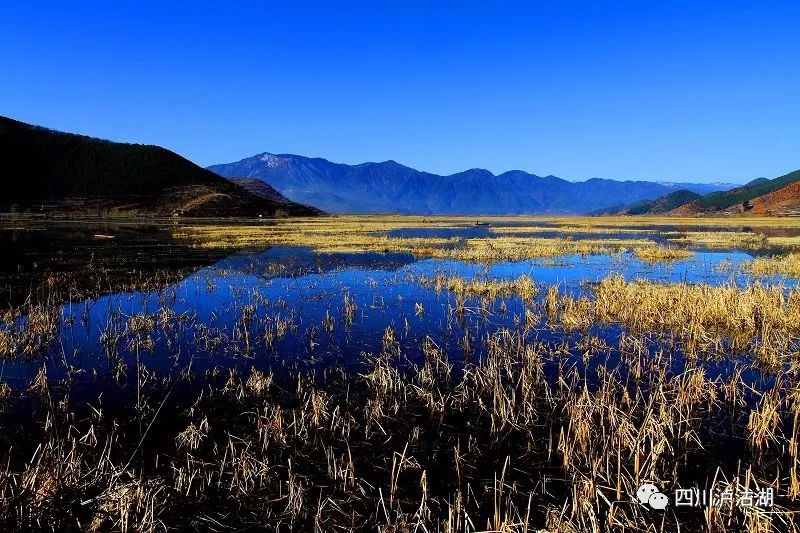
<point x="56" y="171"/>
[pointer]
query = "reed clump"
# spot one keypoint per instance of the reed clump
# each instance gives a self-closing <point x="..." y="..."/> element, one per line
<point x="492" y="250"/>
<point x="523" y="286"/>
<point x="721" y="239"/>
<point x="758" y="317"/>
<point x="661" y="253"/>
<point x="762" y="320"/>
<point x="788" y="265"/>
<point x="29" y="329"/>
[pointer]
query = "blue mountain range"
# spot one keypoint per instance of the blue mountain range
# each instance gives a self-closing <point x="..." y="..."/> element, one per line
<point x="390" y="187"/>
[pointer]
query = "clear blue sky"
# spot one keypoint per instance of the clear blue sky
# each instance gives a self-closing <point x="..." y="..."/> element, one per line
<point x="696" y="90"/>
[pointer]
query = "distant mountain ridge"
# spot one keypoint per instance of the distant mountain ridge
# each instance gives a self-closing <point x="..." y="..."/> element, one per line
<point x="48" y="170"/>
<point x="746" y="194"/>
<point x="761" y="196"/>
<point x="390" y="187"/>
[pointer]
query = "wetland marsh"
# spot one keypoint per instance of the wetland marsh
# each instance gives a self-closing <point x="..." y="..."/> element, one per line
<point x="399" y="373"/>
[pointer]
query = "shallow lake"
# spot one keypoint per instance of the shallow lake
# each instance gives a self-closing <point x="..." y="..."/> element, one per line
<point x="146" y="342"/>
<point x="306" y="295"/>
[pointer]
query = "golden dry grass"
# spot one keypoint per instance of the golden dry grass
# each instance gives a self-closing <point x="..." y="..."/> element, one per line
<point x="759" y="320"/>
<point x="522" y="286"/>
<point x="661" y="253"/>
<point x="514" y="228"/>
<point x="353" y="234"/>
<point x="783" y="264"/>
<point x="489" y="250"/>
<point x="369" y="233"/>
<point x="721" y="239"/>
<point x="324" y="235"/>
<point x="734" y="240"/>
<point x="763" y="320"/>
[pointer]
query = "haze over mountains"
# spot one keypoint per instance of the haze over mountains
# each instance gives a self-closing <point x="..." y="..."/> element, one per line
<point x="390" y="187"/>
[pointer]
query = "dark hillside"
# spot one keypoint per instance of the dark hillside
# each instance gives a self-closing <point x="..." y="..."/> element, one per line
<point x="51" y="170"/>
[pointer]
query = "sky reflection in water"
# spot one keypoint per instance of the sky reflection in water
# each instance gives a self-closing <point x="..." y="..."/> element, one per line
<point x="304" y="286"/>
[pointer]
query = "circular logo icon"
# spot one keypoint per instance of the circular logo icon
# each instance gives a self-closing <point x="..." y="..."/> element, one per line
<point x="648" y="494"/>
